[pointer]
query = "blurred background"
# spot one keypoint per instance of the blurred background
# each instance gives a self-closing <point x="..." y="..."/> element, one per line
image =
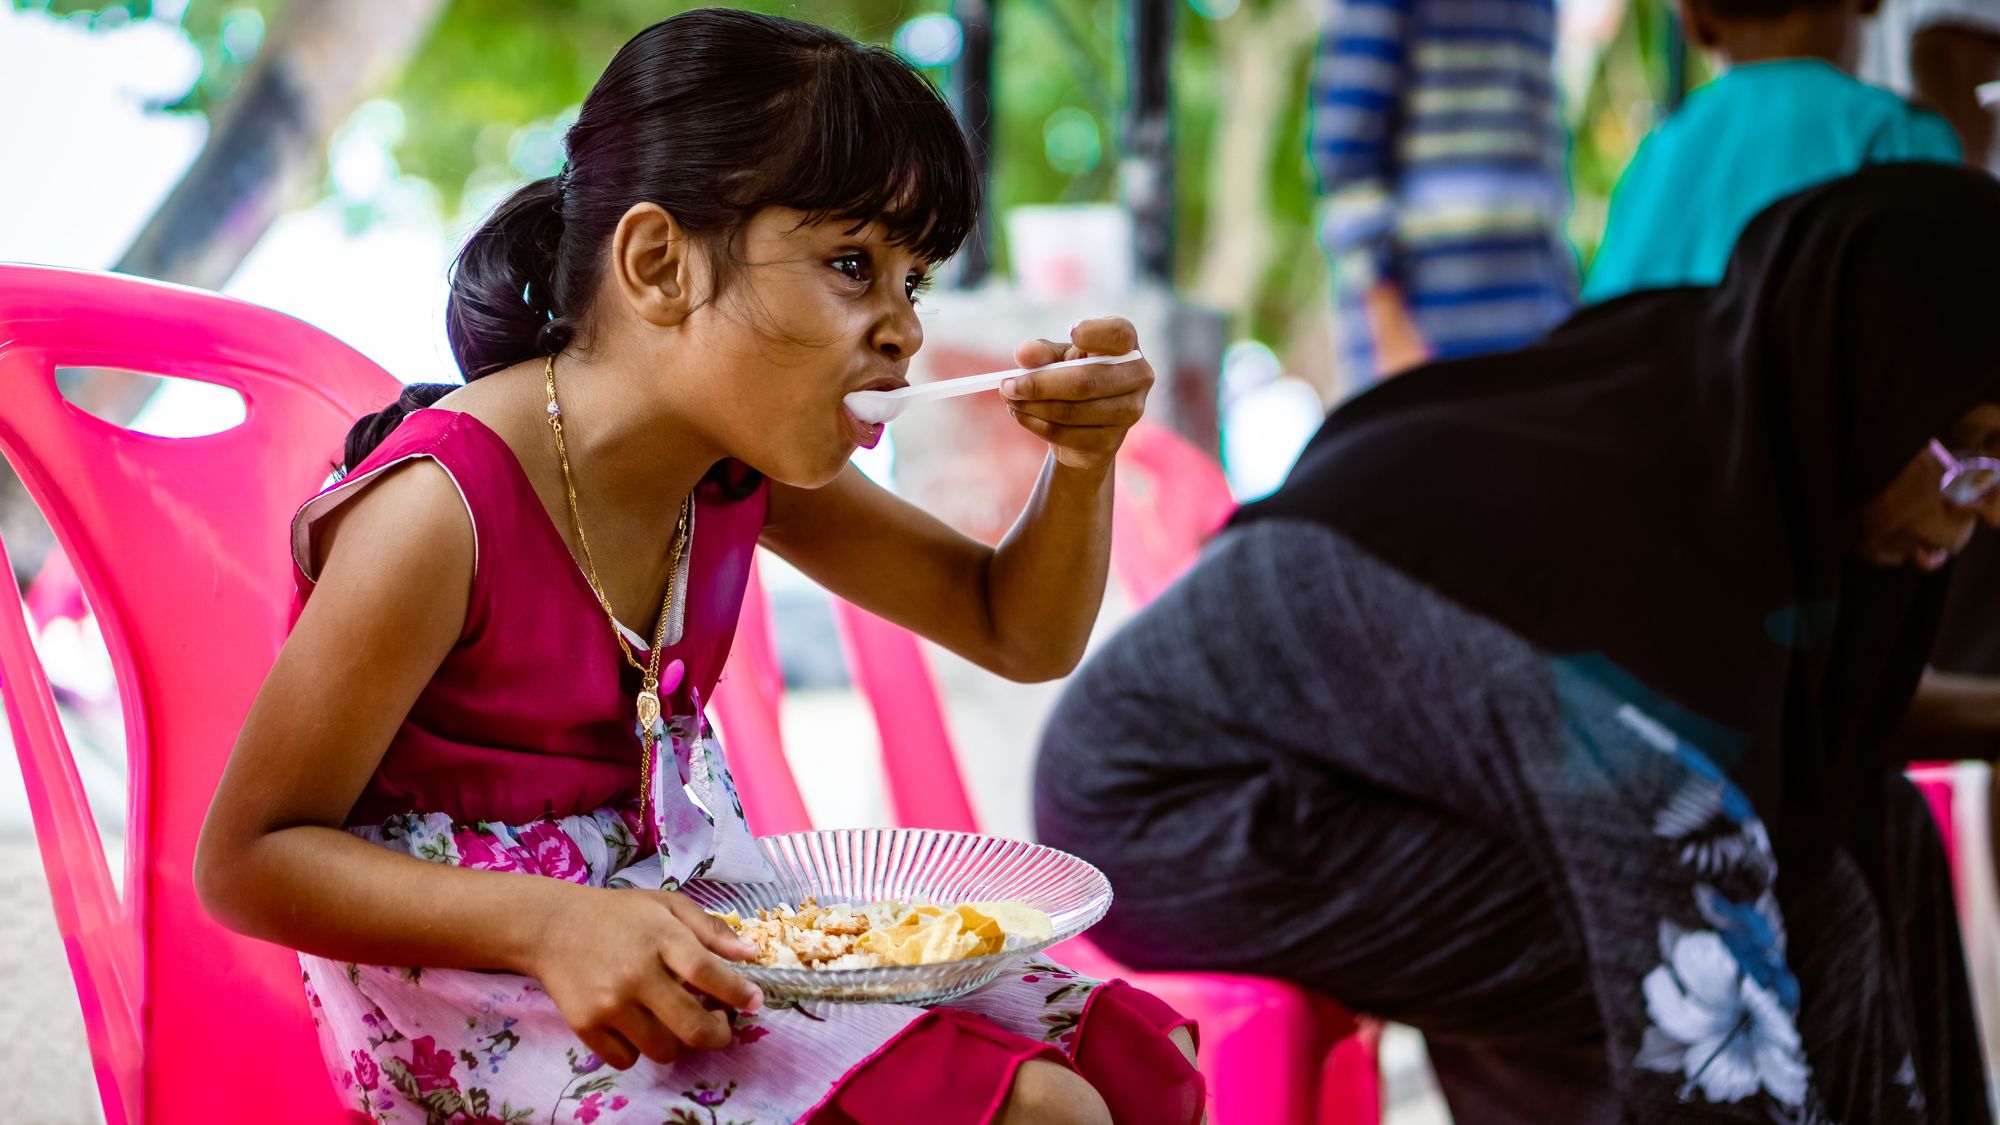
<point x="1148" y="159"/>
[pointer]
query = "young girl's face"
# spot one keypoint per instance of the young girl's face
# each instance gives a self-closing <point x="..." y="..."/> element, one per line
<point x="814" y="312"/>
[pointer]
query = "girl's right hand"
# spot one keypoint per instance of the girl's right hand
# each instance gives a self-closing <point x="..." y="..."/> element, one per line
<point x="630" y="970"/>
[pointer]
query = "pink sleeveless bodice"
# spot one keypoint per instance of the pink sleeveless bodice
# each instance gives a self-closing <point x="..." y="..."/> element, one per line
<point x="531" y="713"/>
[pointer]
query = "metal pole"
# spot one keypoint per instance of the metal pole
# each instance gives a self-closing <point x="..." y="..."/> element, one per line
<point x="1147" y="169"/>
<point x="972" y="97"/>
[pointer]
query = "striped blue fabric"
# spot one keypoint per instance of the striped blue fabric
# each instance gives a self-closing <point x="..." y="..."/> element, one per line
<point x="1441" y="154"/>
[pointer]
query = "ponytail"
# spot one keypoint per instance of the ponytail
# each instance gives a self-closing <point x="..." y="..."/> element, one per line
<point x="501" y="310"/>
<point x="504" y="287"/>
<point x="366" y="434"/>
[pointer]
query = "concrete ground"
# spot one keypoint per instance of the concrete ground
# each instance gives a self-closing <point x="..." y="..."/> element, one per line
<point x="45" y="1075"/>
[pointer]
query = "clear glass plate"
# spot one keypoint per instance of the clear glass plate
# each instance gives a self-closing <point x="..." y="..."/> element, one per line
<point x="861" y="865"/>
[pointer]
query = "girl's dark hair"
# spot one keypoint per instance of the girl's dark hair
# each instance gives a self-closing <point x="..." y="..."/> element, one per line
<point x="366" y="434"/>
<point x="714" y="115"/>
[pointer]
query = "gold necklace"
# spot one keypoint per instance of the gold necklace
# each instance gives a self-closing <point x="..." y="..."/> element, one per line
<point x="648" y="702"/>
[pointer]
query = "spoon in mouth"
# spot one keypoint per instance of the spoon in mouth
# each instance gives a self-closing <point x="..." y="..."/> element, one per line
<point x="876" y="407"/>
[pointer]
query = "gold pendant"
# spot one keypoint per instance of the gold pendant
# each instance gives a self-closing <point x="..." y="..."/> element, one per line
<point x="649" y="710"/>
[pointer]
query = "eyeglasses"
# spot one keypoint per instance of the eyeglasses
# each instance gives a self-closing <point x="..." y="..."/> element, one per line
<point x="1967" y="481"/>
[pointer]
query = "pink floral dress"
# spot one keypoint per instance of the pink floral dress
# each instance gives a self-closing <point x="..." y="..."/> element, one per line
<point x="520" y="756"/>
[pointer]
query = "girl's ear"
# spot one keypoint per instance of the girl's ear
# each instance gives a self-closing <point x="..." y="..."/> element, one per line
<point x="652" y="265"/>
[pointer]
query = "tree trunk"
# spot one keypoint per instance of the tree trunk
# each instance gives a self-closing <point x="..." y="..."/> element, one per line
<point x="1261" y="52"/>
<point x="266" y="148"/>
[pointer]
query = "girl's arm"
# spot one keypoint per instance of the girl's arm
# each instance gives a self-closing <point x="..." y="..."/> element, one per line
<point x="274" y="862"/>
<point x="1025" y="608"/>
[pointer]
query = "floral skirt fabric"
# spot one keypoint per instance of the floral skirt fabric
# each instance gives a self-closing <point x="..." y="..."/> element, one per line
<point x="436" y="1046"/>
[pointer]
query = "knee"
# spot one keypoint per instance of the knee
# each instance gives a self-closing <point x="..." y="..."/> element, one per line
<point x="1047" y="1093"/>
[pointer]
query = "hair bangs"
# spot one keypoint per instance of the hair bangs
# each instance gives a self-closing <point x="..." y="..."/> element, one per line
<point x="876" y="144"/>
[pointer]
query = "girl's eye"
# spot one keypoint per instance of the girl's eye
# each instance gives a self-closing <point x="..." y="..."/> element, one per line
<point x="852" y="265"/>
<point x="916" y="286"/>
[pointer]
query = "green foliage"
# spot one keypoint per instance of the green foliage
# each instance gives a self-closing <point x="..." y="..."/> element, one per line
<point x="498" y="72"/>
<point x="96" y="14"/>
<point x="1061" y="56"/>
<point x="1294" y="278"/>
<point x="485" y="97"/>
<point x="1623" y="103"/>
<point x="495" y="67"/>
<point x="226" y="32"/>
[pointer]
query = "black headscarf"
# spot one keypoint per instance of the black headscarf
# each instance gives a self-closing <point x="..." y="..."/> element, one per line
<point x="1668" y="479"/>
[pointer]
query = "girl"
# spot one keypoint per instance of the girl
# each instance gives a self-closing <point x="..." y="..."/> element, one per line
<point x="514" y="602"/>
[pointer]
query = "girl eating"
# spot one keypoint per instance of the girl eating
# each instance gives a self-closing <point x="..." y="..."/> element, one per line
<point x="479" y="772"/>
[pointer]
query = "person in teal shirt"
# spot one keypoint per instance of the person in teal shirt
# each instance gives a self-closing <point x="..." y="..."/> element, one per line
<point x="1788" y="114"/>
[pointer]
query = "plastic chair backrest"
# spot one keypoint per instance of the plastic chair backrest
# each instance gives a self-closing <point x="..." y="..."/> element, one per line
<point x="746" y="702"/>
<point x="180" y="547"/>
<point x="1170" y="500"/>
<point x="1271" y="1049"/>
<point x="926" y="788"/>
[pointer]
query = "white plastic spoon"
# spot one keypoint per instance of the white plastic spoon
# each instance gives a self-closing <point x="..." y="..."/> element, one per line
<point x="876" y="407"/>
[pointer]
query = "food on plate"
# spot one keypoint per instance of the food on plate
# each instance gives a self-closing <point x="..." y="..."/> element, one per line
<point x="891" y="932"/>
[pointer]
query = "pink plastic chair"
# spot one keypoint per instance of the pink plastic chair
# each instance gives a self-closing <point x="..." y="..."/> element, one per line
<point x="1265" y="1043"/>
<point x="746" y="703"/>
<point x="1170" y="500"/>
<point x="1934" y="781"/>
<point x="55" y="594"/>
<point x="180" y="547"/>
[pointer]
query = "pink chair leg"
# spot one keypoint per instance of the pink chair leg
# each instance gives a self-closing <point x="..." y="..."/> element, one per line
<point x="1262" y="1041"/>
<point x="1934" y="781"/>
<point x="1256" y="1039"/>
<point x="746" y="702"/>
<point x="925" y="790"/>
<point x="1350" y="1089"/>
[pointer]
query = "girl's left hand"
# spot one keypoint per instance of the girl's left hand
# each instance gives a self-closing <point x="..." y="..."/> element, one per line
<point x="1082" y="412"/>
